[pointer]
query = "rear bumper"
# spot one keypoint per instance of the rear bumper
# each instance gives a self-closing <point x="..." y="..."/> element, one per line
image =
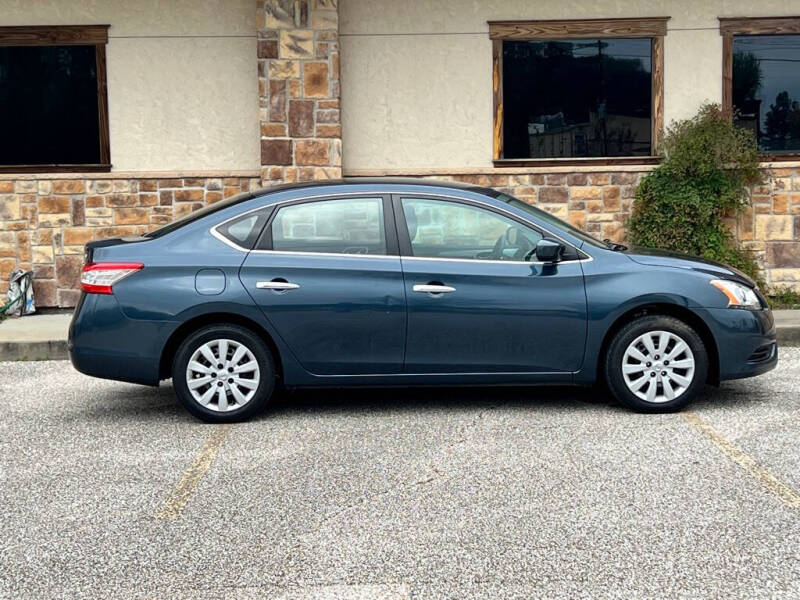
<point x="746" y="341"/>
<point x="104" y="343"/>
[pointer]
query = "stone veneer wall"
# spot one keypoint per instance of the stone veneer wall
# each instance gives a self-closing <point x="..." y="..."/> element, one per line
<point x="45" y="222"/>
<point x="298" y="87"/>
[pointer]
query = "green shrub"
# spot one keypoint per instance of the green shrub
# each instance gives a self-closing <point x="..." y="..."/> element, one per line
<point x="681" y="205"/>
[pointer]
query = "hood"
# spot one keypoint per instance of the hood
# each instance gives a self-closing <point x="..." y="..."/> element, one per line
<point x="667" y="258"/>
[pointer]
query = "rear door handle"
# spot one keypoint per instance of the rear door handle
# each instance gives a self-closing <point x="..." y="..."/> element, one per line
<point x="433" y="289"/>
<point x="276" y="285"/>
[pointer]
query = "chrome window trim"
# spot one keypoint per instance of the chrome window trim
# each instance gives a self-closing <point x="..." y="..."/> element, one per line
<point x="336" y="254"/>
<point x="403" y="257"/>
<point x="222" y="238"/>
<point x="225" y="240"/>
<point x="495" y="262"/>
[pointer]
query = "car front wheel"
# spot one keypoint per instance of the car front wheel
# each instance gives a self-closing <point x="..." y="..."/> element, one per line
<point x="656" y="364"/>
<point x="223" y="373"/>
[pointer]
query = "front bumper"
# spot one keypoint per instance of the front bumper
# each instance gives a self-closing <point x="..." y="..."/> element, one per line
<point x="746" y="341"/>
<point x="104" y="343"/>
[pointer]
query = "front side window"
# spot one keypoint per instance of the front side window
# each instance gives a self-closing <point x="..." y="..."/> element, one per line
<point x="443" y="229"/>
<point x="574" y="90"/>
<point x="766" y="90"/>
<point x="53" y="98"/>
<point x="347" y="226"/>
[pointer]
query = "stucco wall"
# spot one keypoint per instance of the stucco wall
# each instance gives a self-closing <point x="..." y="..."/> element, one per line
<point x="416" y="75"/>
<point x="182" y="78"/>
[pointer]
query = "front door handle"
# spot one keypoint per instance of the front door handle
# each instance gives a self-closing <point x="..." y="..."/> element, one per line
<point x="276" y="285"/>
<point x="433" y="288"/>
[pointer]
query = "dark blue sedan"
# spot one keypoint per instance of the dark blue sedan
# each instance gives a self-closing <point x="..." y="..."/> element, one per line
<point x="405" y="282"/>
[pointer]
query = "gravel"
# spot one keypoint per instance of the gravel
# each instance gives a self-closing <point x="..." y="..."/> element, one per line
<point x="436" y="493"/>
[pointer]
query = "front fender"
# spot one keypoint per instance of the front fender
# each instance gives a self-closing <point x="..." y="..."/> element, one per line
<point x="614" y="294"/>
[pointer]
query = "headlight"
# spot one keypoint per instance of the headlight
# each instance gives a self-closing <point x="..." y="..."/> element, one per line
<point x="739" y="296"/>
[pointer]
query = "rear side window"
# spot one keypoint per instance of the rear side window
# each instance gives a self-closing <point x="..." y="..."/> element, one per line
<point x="244" y="230"/>
<point x="342" y="226"/>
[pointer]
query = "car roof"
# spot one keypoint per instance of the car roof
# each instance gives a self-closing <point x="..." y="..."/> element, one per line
<point x="375" y="181"/>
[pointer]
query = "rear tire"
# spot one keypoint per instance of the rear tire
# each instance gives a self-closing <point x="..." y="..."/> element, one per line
<point x="223" y="374"/>
<point x="656" y="364"/>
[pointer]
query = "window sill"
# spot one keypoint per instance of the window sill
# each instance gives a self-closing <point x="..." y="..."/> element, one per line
<point x="779" y="157"/>
<point x="577" y="162"/>
<point x="93" y="168"/>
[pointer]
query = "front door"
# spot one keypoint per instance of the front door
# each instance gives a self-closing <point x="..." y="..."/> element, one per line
<point x="327" y="276"/>
<point x="478" y="302"/>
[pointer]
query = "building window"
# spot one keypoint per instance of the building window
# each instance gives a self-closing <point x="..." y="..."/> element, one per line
<point x="53" y="102"/>
<point x="761" y="81"/>
<point x="588" y="90"/>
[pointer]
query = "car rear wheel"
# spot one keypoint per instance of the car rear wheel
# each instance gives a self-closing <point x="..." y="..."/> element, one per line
<point x="223" y="373"/>
<point x="656" y="364"/>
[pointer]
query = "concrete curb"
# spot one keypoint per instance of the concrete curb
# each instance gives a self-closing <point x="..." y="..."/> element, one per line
<point x="45" y="350"/>
<point x="789" y="336"/>
<point x="57" y="349"/>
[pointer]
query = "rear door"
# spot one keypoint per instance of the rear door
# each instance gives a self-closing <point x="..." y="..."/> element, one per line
<point x="326" y="273"/>
<point x="478" y="302"/>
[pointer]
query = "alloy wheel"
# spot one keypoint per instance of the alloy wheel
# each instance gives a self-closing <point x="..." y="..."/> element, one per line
<point x="658" y="366"/>
<point x="223" y="375"/>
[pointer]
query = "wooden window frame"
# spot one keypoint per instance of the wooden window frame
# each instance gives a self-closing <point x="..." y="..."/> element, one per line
<point x="654" y="28"/>
<point x="729" y="27"/>
<point x="68" y="35"/>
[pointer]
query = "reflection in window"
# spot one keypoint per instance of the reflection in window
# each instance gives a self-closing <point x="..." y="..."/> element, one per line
<point x="243" y="231"/>
<point x="577" y="98"/>
<point x="350" y="226"/>
<point x="766" y="89"/>
<point x="441" y="229"/>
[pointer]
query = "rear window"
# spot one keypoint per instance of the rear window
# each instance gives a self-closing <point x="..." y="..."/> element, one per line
<point x="199" y="214"/>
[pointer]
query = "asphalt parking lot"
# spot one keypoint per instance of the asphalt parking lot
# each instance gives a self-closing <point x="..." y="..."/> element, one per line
<point x="113" y="491"/>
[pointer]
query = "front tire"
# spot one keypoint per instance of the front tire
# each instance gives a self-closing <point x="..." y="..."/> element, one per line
<point x="656" y="364"/>
<point x="223" y="374"/>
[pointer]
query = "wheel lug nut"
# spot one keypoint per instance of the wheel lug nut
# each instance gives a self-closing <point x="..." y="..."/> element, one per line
<point x="663" y="373"/>
<point x="230" y="380"/>
<point x="213" y="374"/>
<point x="652" y="373"/>
<point x="648" y="364"/>
<point x="230" y="369"/>
<point x="219" y="383"/>
<point x="666" y="362"/>
<point x="656" y="357"/>
<point x="219" y="366"/>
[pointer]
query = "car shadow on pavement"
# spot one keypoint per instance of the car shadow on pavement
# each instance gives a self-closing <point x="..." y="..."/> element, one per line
<point x="376" y="400"/>
<point x="160" y="404"/>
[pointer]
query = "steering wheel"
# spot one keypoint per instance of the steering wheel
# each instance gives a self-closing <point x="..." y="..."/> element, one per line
<point x="513" y="237"/>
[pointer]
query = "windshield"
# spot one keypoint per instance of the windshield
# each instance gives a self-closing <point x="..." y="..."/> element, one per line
<point x="199" y="214"/>
<point x="550" y="219"/>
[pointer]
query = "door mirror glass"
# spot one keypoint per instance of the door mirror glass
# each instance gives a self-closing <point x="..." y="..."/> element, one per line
<point x="549" y="251"/>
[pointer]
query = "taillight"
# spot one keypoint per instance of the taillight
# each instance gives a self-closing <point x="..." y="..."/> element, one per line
<point x="97" y="278"/>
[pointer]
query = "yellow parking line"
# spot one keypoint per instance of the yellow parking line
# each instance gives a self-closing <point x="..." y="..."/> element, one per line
<point x="191" y="479"/>
<point x="747" y="462"/>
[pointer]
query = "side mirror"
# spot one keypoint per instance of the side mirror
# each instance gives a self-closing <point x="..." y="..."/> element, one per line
<point x="549" y="251"/>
